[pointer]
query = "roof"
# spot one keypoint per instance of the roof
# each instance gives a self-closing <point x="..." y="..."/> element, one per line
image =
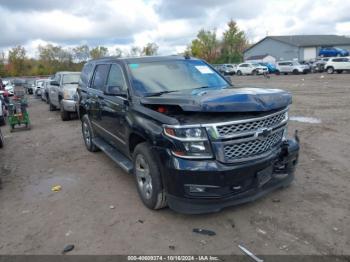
<point x="308" y="40"/>
<point x="141" y="59"/>
<point x="257" y="57"/>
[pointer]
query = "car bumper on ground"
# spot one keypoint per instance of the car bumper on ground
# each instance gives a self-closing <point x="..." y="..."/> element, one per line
<point x="69" y="105"/>
<point x="204" y="186"/>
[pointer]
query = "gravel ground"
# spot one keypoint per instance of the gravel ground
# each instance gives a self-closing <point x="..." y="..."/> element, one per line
<point x="98" y="209"/>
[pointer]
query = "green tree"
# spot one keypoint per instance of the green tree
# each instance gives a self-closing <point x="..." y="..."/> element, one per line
<point x="81" y="53"/>
<point x="118" y="52"/>
<point x="234" y="43"/>
<point x="150" y="49"/>
<point x="135" y="51"/>
<point x="206" y="45"/>
<point x="17" y="57"/>
<point x="2" y="64"/>
<point x="98" y="52"/>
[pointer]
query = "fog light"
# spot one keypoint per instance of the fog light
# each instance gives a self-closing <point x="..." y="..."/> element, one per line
<point x="197" y="189"/>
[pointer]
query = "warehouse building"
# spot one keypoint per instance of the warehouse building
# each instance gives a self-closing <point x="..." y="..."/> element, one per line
<point x="295" y="47"/>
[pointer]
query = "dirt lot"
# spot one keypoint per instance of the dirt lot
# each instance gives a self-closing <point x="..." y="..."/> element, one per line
<point x="310" y="217"/>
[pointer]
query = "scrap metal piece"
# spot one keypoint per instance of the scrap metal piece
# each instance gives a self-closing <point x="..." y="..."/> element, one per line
<point x="250" y="254"/>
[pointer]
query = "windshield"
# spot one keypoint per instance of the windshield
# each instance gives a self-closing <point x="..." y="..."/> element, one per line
<point x="255" y="64"/>
<point x="296" y="63"/>
<point x="71" y="79"/>
<point x="175" y="75"/>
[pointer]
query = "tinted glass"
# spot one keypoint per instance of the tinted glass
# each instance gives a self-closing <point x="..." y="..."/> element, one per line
<point x="71" y="79"/>
<point x="173" y="75"/>
<point x="85" y="74"/>
<point x="116" y="77"/>
<point x="100" y="77"/>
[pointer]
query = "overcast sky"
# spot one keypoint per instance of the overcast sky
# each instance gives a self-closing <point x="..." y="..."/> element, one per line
<point x="172" y="24"/>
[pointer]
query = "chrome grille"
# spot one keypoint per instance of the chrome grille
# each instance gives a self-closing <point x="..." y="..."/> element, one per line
<point x="252" y="148"/>
<point x="251" y="125"/>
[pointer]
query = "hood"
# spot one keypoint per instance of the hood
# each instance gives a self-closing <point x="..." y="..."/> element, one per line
<point x="224" y="100"/>
<point x="70" y="87"/>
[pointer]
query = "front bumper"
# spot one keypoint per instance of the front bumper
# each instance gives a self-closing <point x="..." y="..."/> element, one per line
<point x="224" y="185"/>
<point x="69" y="105"/>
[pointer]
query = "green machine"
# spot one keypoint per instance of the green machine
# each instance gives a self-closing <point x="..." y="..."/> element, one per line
<point x="18" y="114"/>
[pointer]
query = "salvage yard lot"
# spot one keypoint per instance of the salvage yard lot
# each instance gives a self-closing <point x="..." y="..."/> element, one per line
<point x="99" y="211"/>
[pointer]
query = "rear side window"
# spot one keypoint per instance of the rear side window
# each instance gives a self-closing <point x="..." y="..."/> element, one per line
<point x="116" y="77"/>
<point x="86" y="74"/>
<point x="100" y="77"/>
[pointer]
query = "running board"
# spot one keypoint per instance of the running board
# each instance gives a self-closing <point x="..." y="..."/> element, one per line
<point x="114" y="154"/>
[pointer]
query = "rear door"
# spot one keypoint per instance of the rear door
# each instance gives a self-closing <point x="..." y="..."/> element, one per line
<point x="95" y="97"/>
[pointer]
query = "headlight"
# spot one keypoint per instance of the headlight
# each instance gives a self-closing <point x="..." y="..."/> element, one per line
<point x="68" y="94"/>
<point x="193" y="142"/>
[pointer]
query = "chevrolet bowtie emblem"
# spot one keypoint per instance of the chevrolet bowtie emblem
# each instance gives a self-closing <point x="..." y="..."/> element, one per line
<point x="263" y="133"/>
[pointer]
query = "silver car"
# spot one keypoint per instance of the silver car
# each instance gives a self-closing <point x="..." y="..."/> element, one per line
<point x="62" y="93"/>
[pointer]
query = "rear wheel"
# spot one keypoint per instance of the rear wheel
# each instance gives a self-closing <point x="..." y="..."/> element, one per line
<point x="239" y="73"/>
<point x="148" y="178"/>
<point x="339" y="71"/>
<point x="88" y="134"/>
<point x="330" y="70"/>
<point x="51" y="106"/>
<point x="295" y="72"/>
<point x="277" y="72"/>
<point x="1" y="140"/>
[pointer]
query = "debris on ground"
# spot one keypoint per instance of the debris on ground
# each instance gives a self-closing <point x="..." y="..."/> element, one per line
<point x="172" y="247"/>
<point x="140" y="221"/>
<point x="67" y="249"/>
<point x="112" y="207"/>
<point x="232" y="223"/>
<point x="263" y="232"/>
<point x="56" y="188"/>
<point x="276" y="200"/>
<point x="204" y="232"/>
<point x="203" y="242"/>
<point x="69" y="233"/>
<point x="250" y="254"/>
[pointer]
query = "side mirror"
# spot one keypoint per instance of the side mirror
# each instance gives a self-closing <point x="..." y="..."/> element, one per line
<point x="228" y="79"/>
<point x="54" y="83"/>
<point x="113" y="90"/>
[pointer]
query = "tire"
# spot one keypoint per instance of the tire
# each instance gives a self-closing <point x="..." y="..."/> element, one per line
<point x="2" y="121"/>
<point x="330" y="70"/>
<point x="88" y="134"/>
<point x="1" y="140"/>
<point x="65" y="115"/>
<point x="239" y="73"/>
<point x="339" y="71"/>
<point x="277" y="72"/>
<point x="254" y="72"/>
<point x="51" y="106"/>
<point x="295" y="72"/>
<point x="148" y="178"/>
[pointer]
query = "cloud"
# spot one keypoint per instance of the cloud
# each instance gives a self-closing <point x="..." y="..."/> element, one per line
<point x="171" y="24"/>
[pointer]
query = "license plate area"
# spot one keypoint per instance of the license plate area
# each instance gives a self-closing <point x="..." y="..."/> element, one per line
<point x="264" y="176"/>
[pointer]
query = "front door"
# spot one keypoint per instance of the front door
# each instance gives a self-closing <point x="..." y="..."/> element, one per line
<point x="114" y="109"/>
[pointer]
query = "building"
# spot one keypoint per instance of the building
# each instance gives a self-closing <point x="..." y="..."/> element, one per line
<point x="296" y="47"/>
<point x="261" y="59"/>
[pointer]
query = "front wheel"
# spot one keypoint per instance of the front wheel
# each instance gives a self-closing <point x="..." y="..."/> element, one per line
<point x="239" y="73"/>
<point x="148" y="178"/>
<point x="295" y="72"/>
<point x="65" y="115"/>
<point x="330" y="70"/>
<point x="51" y="106"/>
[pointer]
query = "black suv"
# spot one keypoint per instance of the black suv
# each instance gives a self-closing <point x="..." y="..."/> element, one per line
<point x="192" y="140"/>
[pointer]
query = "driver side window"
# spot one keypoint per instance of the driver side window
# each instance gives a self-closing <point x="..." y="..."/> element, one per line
<point x="116" y="77"/>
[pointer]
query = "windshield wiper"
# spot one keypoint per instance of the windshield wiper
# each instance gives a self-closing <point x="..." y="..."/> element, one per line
<point x="160" y="93"/>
